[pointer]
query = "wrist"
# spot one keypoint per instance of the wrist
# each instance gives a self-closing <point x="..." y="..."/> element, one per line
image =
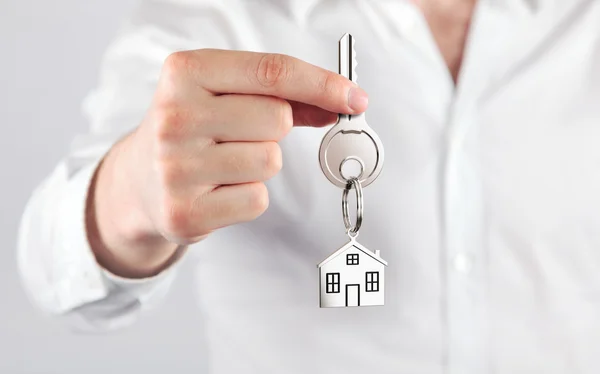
<point x="122" y="235"/>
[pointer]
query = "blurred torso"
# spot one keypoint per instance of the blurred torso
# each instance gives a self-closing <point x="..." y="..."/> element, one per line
<point x="487" y="208"/>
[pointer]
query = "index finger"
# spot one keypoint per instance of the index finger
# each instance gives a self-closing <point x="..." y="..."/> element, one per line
<point x="223" y="72"/>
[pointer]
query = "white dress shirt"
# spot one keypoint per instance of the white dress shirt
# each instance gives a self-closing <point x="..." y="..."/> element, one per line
<point x="487" y="209"/>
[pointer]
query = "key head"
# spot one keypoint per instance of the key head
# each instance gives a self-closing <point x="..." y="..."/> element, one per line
<point x="347" y="142"/>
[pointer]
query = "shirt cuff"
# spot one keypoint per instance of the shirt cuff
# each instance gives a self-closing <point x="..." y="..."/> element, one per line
<point x="144" y="288"/>
<point x="82" y="279"/>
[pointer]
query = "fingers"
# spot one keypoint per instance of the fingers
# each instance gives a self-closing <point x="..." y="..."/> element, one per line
<point x="250" y="118"/>
<point x="232" y="118"/>
<point x="224" y="164"/>
<point x="210" y="136"/>
<point x="240" y="162"/>
<point x="273" y="75"/>
<point x="223" y="206"/>
<point x="263" y="118"/>
<point x="229" y="205"/>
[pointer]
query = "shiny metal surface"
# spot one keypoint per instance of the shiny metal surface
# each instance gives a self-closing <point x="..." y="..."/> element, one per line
<point x="351" y="137"/>
<point x="352" y="231"/>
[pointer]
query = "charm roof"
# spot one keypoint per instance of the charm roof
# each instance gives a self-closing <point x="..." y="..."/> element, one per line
<point x="352" y="243"/>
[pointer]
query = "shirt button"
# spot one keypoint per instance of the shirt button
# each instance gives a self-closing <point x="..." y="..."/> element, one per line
<point x="463" y="263"/>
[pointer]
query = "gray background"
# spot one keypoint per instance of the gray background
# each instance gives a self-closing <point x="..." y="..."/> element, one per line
<point x="49" y="58"/>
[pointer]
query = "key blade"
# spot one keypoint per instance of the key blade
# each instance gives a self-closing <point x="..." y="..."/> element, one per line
<point x="347" y="57"/>
<point x="347" y="67"/>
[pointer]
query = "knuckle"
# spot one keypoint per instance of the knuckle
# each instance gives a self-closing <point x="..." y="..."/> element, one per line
<point x="179" y="62"/>
<point x="272" y="161"/>
<point x="181" y="219"/>
<point x="273" y="69"/>
<point x="175" y="72"/>
<point x="176" y="218"/>
<point x="258" y="199"/>
<point x="170" y="122"/>
<point x="170" y="74"/>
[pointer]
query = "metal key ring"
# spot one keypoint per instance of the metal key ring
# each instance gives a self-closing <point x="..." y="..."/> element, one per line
<point x="352" y="182"/>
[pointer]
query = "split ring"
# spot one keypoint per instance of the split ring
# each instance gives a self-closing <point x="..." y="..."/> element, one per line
<point x="353" y="230"/>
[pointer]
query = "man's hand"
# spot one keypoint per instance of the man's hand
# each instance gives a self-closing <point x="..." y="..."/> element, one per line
<point x="199" y="159"/>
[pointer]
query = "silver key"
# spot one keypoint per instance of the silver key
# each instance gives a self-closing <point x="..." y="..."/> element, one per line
<point x="350" y="140"/>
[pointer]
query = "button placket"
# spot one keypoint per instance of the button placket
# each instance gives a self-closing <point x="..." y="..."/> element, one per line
<point x="463" y="202"/>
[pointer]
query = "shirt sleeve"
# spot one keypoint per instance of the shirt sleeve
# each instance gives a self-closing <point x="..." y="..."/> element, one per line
<point x="57" y="266"/>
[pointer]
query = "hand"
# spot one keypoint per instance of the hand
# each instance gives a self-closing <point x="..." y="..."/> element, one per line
<point x="208" y="142"/>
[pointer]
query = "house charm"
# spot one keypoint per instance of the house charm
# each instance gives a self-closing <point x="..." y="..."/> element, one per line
<point x="352" y="276"/>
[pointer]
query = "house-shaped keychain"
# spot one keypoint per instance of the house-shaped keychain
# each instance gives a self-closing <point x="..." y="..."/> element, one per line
<point x="352" y="276"/>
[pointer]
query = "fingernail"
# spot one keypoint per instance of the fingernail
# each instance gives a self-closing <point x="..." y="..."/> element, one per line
<point x="358" y="99"/>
